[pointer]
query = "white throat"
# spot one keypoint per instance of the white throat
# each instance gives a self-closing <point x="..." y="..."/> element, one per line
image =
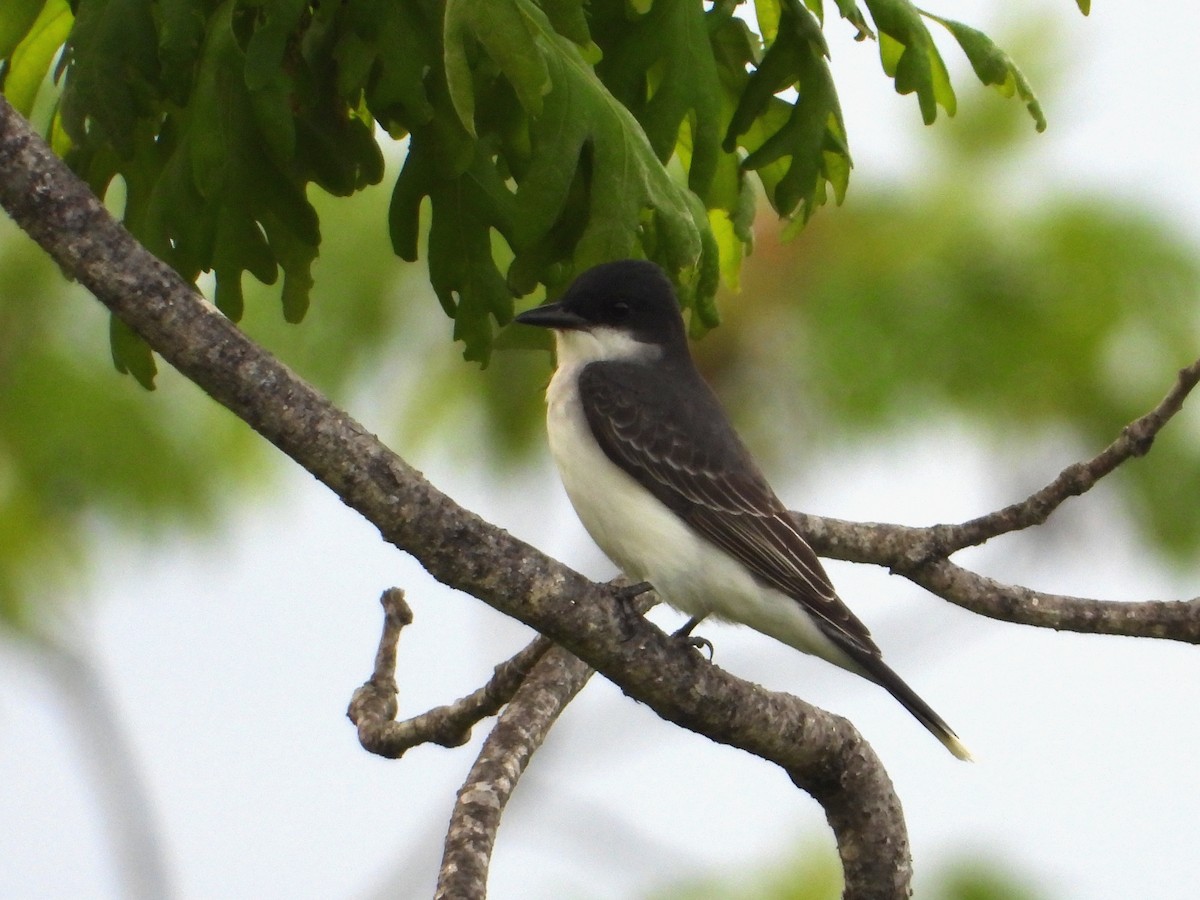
<point x="578" y="348"/>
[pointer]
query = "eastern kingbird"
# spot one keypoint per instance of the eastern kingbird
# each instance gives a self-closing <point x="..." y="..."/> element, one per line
<point x="666" y="488"/>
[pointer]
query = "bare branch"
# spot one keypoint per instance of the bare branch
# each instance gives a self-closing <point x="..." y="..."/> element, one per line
<point x="908" y="551"/>
<point x="922" y="554"/>
<point x="1176" y="620"/>
<point x="1135" y="439"/>
<point x="520" y="730"/>
<point x="373" y="707"/>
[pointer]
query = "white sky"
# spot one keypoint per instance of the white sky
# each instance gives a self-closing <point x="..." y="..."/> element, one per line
<point x="231" y="663"/>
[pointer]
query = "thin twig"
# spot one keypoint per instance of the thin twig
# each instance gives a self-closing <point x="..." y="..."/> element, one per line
<point x="905" y="548"/>
<point x="922" y="554"/>
<point x="1177" y="620"/>
<point x="1135" y="439"/>
<point x="374" y="706"/>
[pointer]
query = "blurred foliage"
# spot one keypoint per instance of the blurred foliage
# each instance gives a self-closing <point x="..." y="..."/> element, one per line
<point x="814" y="873"/>
<point x="811" y="873"/>
<point x="980" y="880"/>
<point x="539" y="125"/>
<point x="81" y="454"/>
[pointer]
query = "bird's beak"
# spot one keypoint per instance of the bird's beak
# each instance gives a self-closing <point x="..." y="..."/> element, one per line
<point x="552" y="315"/>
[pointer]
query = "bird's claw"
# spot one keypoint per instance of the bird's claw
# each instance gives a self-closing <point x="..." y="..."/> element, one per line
<point x="698" y="643"/>
<point x="685" y="637"/>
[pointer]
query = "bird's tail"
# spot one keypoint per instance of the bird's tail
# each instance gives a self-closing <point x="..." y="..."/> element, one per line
<point x="879" y="672"/>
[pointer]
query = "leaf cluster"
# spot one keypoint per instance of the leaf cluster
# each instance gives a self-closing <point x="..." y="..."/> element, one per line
<point x="543" y="136"/>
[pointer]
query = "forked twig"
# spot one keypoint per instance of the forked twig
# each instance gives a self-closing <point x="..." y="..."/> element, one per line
<point x="374" y="705"/>
<point x="1135" y="439"/>
<point x="922" y="555"/>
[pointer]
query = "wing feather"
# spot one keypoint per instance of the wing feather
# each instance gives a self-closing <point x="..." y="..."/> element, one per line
<point x="689" y="457"/>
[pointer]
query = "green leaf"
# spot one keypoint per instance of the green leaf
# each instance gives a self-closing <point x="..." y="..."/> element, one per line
<point x="31" y="57"/>
<point x="180" y="36"/>
<point x="804" y="140"/>
<point x="768" y="13"/>
<point x="577" y="184"/>
<point x="993" y="66"/>
<point x="462" y="266"/>
<point x="112" y="73"/>
<point x="131" y="355"/>
<point x="583" y="127"/>
<point x="218" y="115"/>
<point x="267" y="45"/>
<point x="702" y="293"/>
<point x="850" y="11"/>
<point x="249" y="209"/>
<point x="386" y="50"/>
<point x="729" y="245"/>
<point x="1085" y="6"/>
<point x="271" y="104"/>
<point x="908" y="54"/>
<point x="15" y="23"/>
<point x="569" y="18"/>
<point x="504" y="30"/>
<point x="295" y="254"/>
<point x="661" y="67"/>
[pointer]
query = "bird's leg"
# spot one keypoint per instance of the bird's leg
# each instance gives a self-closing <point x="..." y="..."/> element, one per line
<point x="629" y="613"/>
<point x="684" y="636"/>
<point x="629" y="591"/>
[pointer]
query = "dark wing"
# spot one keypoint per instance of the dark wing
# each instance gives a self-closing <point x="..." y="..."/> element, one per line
<point x="689" y="457"/>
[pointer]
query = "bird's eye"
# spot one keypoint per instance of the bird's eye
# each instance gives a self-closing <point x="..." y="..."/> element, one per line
<point x="620" y="310"/>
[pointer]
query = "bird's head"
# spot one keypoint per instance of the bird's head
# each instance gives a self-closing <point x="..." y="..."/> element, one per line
<point x="618" y="310"/>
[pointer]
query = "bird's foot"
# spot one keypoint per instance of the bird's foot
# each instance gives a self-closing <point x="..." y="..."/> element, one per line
<point x="685" y="637"/>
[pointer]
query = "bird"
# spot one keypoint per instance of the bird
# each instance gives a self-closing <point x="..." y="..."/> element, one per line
<point x="668" y="491"/>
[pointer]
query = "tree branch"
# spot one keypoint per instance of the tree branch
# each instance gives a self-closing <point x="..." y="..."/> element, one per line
<point x="905" y="550"/>
<point x="541" y="697"/>
<point x="922" y="555"/>
<point x="1176" y="620"/>
<point x="520" y="730"/>
<point x="373" y="707"/>
<point x="822" y="753"/>
<point x="1135" y="439"/>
